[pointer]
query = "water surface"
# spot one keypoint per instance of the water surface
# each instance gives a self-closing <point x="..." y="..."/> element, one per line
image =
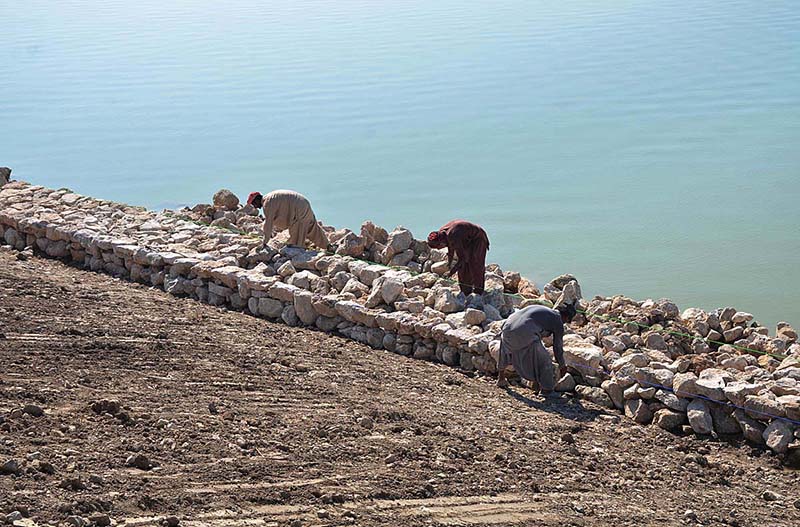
<point x="649" y="147"/>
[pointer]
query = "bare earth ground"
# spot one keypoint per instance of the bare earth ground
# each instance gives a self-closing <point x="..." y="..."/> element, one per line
<point x="254" y="423"/>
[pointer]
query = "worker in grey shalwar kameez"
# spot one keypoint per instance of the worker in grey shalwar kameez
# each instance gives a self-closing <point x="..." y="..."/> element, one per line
<point x="286" y="209"/>
<point x="521" y="345"/>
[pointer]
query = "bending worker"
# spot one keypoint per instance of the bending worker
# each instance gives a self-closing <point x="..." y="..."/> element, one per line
<point x="469" y="243"/>
<point x="286" y="209"/>
<point x="521" y="345"/>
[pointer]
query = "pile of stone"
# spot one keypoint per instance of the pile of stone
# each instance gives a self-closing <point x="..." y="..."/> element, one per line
<point x="225" y="213"/>
<point x="708" y="373"/>
<point x="397" y="248"/>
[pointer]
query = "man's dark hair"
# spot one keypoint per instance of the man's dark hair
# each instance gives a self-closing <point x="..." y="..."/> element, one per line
<point x="567" y="311"/>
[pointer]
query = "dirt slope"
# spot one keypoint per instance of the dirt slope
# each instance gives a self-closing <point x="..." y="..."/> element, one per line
<point x="251" y="423"/>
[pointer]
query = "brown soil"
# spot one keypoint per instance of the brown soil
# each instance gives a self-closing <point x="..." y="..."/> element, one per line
<point x="254" y="423"/>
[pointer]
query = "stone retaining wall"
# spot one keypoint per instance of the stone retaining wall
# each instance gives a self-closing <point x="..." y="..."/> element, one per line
<point x="708" y="373"/>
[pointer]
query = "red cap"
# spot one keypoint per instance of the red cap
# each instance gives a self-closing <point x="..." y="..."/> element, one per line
<point x="435" y="237"/>
<point x="252" y="197"/>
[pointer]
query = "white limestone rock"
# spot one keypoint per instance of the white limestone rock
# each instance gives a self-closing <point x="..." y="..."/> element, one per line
<point x="566" y="383"/>
<point x="638" y="410"/>
<point x="699" y="417"/>
<point x="304" y="308"/>
<point x="669" y="419"/>
<point x="286" y="269"/>
<point x="226" y="200"/>
<point x="712" y="382"/>
<point x="595" y="395"/>
<point x="399" y="240"/>
<point x="448" y="301"/>
<point x="391" y="288"/>
<point x="763" y="407"/>
<point x="752" y="430"/>
<point x="778" y="435"/>
<point x="584" y="357"/>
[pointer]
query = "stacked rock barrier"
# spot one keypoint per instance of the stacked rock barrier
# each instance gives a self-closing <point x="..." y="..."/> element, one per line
<point x="711" y="373"/>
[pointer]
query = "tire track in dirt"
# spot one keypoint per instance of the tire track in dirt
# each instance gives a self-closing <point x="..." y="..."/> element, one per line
<point x="254" y="423"/>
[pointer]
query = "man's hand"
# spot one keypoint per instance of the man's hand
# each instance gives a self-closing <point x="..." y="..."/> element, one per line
<point x="454" y="268"/>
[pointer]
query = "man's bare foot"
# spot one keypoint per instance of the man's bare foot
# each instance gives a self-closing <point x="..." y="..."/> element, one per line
<point x="533" y="385"/>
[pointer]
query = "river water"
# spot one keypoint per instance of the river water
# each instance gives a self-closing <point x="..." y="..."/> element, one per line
<point x="649" y="147"/>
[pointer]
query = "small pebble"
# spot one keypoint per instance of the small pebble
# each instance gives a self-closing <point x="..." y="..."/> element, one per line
<point x="139" y="461"/>
<point x="365" y="422"/>
<point x="768" y="495"/>
<point x="10" y="467"/>
<point x="34" y="410"/>
<point x="11" y="517"/>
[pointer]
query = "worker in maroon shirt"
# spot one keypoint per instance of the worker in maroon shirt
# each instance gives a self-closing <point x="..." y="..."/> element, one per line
<point x="469" y="243"/>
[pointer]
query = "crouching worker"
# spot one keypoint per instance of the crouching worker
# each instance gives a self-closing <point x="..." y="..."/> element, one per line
<point x="286" y="209"/>
<point x="469" y="243"/>
<point x="521" y="345"/>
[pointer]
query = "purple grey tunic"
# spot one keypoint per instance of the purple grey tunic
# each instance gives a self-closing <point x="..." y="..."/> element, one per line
<point x="521" y="344"/>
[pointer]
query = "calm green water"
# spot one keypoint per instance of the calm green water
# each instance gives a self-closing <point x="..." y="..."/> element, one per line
<point x="650" y="147"/>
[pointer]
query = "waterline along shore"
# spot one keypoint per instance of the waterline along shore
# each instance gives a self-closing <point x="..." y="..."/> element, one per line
<point x="708" y="373"/>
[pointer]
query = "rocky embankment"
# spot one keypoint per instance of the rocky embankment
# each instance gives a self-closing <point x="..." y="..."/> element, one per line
<point x="700" y="372"/>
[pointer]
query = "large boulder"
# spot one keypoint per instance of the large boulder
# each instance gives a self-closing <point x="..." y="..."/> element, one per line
<point x="566" y="383"/>
<point x="671" y="401"/>
<point x="752" y="430"/>
<point x="584" y="357"/>
<point x="615" y="391"/>
<point x="655" y="341"/>
<point x="304" y="307"/>
<point x="226" y="200"/>
<point x="267" y="307"/>
<point x="638" y="410"/>
<point x="570" y="295"/>
<point x="699" y="417"/>
<point x="711" y="384"/>
<point x="685" y="385"/>
<point x="724" y="422"/>
<point x="371" y="233"/>
<point x="655" y="377"/>
<point x="736" y="391"/>
<point x="399" y="240"/>
<point x="595" y="395"/>
<point x="791" y="403"/>
<point x="448" y="301"/>
<point x="351" y="245"/>
<point x="763" y="407"/>
<point x="554" y="288"/>
<point x="473" y="317"/>
<point x="669" y="419"/>
<point x="778" y="435"/>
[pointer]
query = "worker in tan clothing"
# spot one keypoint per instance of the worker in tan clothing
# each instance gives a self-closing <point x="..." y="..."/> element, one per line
<point x="286" y="209"/>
